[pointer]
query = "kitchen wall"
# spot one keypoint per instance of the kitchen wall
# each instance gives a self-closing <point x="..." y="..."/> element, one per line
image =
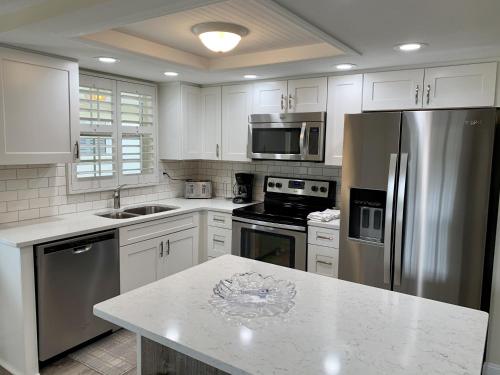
<point x="34" y="191"/>
<point x="221" y="173"/>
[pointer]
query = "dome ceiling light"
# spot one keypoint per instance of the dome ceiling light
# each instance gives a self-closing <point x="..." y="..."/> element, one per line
<point x="219" y="36"/>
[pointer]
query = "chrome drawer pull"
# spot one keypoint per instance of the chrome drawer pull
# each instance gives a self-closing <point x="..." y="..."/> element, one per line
<point x="325" y="263"/>
<point x="320" y="237"/>
<point x="220" y="220"/>
<point x="219" y="241"/>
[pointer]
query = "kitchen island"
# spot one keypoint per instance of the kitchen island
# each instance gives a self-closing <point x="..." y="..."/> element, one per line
<point x="335" y="327"/>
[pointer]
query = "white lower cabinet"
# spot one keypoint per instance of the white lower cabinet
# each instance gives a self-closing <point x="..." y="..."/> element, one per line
<point x="218" y="242"/>
<point x="146" y="259"/>
<point x="323" y="260"/>
<point x="323" y="251"/>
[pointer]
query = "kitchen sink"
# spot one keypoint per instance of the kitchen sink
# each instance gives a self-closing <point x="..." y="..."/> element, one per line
<point x="148" y="210"/>
<point x="117" y="215"/>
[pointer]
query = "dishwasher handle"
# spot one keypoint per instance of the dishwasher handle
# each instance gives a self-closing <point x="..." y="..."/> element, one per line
<point x="83" y="249"/>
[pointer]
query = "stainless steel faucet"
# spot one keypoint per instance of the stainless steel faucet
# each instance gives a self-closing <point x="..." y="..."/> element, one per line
<point x="116" y="196"/>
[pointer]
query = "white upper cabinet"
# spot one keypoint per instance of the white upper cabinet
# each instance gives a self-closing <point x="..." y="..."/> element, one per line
<point x="38" y="108"/>
<point x="211" y="123"/>
<point x="192" y="141"/>
<point x="236" y="107"/>
<point x="400" y="89"/>
<point x="298" y="95"/>
<point x="470" y="85"/>
<point x="307" y="95"/>
<point x="270" y="97"/>
<point x="344" y="96"/>
<point x="189" y="122"/>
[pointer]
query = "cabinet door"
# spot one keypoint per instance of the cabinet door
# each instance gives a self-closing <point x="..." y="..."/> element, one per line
<point x="236" y="107"/>
<point x="270" y="97"/>
<point x="470" y="85"/>
<point x="38" y="108"/>
<point x="218" y="241"/>
<point x="307" y="95"/>
<point x="181" y="252"/>
<point x="322" y="260"/>
<point x="211" y="123"/>
<point x="344" y="96"/>
<point x="138" y="264"/>
<point x="191" y="122"/>
<point x="400" y="89"/>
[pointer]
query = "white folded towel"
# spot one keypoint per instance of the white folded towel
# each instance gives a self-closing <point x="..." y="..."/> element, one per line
<point x="326" y="215"/>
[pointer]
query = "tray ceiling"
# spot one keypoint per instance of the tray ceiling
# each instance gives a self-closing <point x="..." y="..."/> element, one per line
<point x="275" y="37"/>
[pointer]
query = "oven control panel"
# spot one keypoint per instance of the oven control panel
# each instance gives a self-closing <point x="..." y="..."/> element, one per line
<point x="313" y="188"/>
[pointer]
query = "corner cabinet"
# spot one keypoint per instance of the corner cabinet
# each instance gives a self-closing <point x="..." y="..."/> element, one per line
<point x="298" y="95"/>
<point x="39" y="108"/>
<point x="236" y="107"/>
<point x="471" y="85"/>
<point x="344" y="97"/>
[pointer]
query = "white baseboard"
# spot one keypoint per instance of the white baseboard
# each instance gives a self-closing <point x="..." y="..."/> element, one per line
<point x="490" y="368"/>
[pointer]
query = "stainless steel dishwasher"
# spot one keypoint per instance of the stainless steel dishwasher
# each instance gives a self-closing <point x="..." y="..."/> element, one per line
<point x="72" y="276"/>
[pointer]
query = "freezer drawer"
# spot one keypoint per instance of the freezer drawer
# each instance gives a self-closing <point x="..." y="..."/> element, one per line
<point x="73" y="276"/>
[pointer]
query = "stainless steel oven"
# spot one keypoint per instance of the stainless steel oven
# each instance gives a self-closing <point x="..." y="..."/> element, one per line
<point x="287" y="136"/>
<point x="281" y="244"/>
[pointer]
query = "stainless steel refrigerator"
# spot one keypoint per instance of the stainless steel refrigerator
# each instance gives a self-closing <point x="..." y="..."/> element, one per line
<point x="419" y="202"/>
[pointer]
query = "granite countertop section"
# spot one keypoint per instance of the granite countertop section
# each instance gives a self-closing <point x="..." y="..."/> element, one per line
<point x="30" y="232"/>
<point x="334" y="224"/>
<point x="335" y="327"/>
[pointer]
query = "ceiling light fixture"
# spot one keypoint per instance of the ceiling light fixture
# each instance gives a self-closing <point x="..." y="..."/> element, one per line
<point x="409" y="47"/>
<point x="219" y="36"/>
<point x="171" y="74"/>
<point x="345" y="66"/>
<point x="250" y="76"/>
<point x="107" y="59"/>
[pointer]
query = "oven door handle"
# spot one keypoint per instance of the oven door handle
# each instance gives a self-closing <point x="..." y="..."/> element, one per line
<point x="296" y="228"/>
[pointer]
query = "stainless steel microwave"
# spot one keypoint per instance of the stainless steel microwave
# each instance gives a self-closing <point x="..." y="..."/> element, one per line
<point x="287" y="136"/>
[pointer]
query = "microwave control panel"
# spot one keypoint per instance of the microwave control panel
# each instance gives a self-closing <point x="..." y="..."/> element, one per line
<point x="313" y="188"/>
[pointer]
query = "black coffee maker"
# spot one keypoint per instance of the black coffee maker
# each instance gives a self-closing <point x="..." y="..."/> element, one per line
<point x="242" y="189"/>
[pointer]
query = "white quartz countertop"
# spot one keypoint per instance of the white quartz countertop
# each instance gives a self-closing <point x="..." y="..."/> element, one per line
<point x="335" y="327"/>
<point x="29" y="232"/>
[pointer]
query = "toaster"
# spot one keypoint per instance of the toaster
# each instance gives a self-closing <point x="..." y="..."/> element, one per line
<point x="198" y="189"/>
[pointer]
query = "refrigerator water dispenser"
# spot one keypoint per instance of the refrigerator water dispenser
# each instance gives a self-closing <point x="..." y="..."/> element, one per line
<point x="366" y="219"/>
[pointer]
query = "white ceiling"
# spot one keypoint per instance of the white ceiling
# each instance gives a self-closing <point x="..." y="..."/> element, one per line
<point x="268" y="30"/>
<point x="455" y="30"/>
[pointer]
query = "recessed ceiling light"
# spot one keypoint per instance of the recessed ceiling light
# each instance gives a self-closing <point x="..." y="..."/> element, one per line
<point x="408" y="47"/>
<point x="345" y="66"/>
<point x="171" y="74"/>
<point x="107" y="59"/>
<point x="219" y="36"/>
<point x="250" y="76"/>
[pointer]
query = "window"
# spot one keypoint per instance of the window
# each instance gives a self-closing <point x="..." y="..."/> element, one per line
<point x="117" y="135"/>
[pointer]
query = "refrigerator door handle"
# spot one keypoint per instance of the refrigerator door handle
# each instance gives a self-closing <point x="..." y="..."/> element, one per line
<point x="400" y="203"/>
<point x="391" y="181"/>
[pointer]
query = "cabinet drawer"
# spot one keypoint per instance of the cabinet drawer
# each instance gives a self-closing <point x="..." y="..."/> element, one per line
<point x="323" y="260"/>
<point x="323" y="237"/>
<point x="156" y="228"/>
<point x="218" y="241"/>
<point x="219" y="219"/>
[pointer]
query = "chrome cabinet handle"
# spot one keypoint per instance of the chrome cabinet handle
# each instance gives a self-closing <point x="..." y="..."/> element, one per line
<point x="76" y="151"/>
<point x="416" y="94"/>
<point x="217" y="150"/>
<point x="320" y="237"/>
<point x="219" y="220"/>
<point x="325" y="263"/>
<point x="161" y="249"/>
<point x="82" y="249"/>
<point x="282" y="101"/>
<point x="400" y="203"/>
<point x="428" y="94"/>
<point x="290" y="101"/>
<point x="391" y="181"/>
<point x="219" y="241"/>
<point x="168" y="247"/>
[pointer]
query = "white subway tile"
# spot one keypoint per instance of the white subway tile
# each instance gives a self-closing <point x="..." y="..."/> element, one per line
<point x="3" y="206"/>
<point x="27" y="173"/>
<point x="38" y="183"/>
<point x="27" y="194"/>
<point x="3" y="186"/>
<point x="48" y="192"/>
<point x="84" y="206"/>
<point x="8" y="174"/>
<point x="49" y="211"/>
<point x="97" y="205"/>
<point x="29" y="214"/>
<point x="9" y="217"/>
<point x="17" y="205"/>
<point x="57" y="181"/>
<point x="58" y="200"/>
<point x="8" y="196"/>
<point x="16" y="184"/>
<point x="67" y="209"/>
<point x="39" y="202"/>
<point x="47" y="172"/>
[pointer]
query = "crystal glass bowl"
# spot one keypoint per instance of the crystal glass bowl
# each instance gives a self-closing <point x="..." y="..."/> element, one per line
<point x="252" y="295"/>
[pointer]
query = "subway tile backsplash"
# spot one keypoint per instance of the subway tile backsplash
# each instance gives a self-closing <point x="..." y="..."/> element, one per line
<point x="35" y="191"/>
